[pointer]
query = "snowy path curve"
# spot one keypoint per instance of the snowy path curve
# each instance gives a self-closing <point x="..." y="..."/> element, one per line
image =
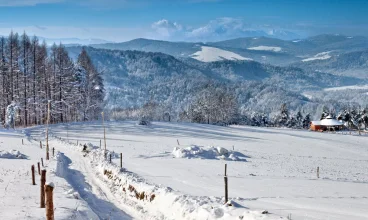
<point x="79" y="174"/>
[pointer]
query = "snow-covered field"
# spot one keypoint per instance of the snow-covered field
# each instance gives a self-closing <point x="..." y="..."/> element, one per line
<point x="212" y="54"/>
<point x="357" y="87"/>
<point x="266" y="48"/>
<point x="319" y="56"/>
<point x="183" y="165"/>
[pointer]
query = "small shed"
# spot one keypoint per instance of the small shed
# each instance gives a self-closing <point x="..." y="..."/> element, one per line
<point x="316" y="126"/>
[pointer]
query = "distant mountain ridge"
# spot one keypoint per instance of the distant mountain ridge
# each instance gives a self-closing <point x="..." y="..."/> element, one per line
<point x="134" y="77"/>
<point x="262" y="49"/>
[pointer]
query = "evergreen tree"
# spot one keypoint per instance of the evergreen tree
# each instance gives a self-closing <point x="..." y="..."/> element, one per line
<point x="306" y="121"/>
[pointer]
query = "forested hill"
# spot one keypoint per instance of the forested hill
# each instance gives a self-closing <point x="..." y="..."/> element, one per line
<point x="132" y="78"/>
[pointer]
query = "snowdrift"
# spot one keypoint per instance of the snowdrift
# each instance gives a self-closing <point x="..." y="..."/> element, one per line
<point x="163" y="202"/>
<point x="212" y="153"/>
<point x="13" y="154"/>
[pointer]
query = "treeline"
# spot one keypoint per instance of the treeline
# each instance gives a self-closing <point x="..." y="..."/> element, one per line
<point x="33" y="75"/>
<point x="218" y="104"/>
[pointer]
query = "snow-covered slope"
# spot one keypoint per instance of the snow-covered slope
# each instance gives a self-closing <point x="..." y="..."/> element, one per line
<point x="212" y="54"/>
<point x="266" y="48"/>
<point x="357" y="87"/>
<point x="278" y="175"/>
<point x="319" y="56"/>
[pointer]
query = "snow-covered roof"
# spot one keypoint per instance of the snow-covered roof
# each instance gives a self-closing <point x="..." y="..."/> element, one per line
<point x="316" y="122"/>
<point x="330" y="122"/>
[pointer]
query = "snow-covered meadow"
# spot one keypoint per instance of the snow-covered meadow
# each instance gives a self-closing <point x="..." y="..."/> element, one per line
<point x="183" y="165"/>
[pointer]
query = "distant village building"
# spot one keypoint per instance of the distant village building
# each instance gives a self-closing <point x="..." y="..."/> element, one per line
<point x="327" y="124"/>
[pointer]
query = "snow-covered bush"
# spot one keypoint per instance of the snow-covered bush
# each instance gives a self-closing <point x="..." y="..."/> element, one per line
<point x="144" y="121"/>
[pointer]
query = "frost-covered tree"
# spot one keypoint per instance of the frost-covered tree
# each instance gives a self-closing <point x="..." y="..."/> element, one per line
<point x="31" y="77"/>
<point x="11" y="114"/>
<point x="91" y="87"/>
<point x="306" y="121"/>
<point x="283" y="117"/>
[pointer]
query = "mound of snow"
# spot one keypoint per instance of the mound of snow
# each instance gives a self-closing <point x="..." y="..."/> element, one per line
<point x="61" y="165"/>
<point x="207" y="153"/>
<point x="266" y="48"/>
<point x="13" y="154"/>
<point x="319" y="56"/>
<point x="212" y="54"/>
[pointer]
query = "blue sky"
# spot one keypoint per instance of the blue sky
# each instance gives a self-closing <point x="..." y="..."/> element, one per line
<point x="187" y="20"/>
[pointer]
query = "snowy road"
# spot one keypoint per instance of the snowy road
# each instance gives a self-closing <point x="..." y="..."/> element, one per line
<point x="78" y="173"/>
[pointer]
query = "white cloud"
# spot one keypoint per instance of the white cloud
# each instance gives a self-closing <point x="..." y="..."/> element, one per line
<point x="214" y="30"/>
<point x="166" y="29"/>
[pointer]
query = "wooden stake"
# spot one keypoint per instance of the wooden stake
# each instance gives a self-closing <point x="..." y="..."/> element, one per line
<point x="42" y="162"/>
<point x="53" y="151"/>
<point x="49" y="188"/>
<point x="22" y="142"/>
<point x="103" y="124"/>
<point x="100" y="144"/>
<point x="318" y="172"/>
<point x="47" y="130"/>
<point x="110" y="158"/>
<point x="43" y="181"/>
<point x="226" y="186"/>
<point x="39" y="169"/>
<point x="121" y="160"/>
<point x="40" y="144"/>
<point x="33" y="175"/>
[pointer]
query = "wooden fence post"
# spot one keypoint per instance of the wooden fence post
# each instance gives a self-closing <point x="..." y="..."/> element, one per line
<point x="40" y="144"/>
<point x="318" y="172"/>
<point x="42" y="162"/>
<point x="110" y="157"/>
<point x="43" y="181"/>
<point x="39" y="169"/>
<point x="103" y="125"/>
<point x="226" y="187"/>
<point x="53" y="151"/>
<point x="49" y="188"/>
<point x="47" y="154"/>
<point x="33" y="175"/>
<point x="22" y="142"/>
<point x="121" y="160"/>
<point x="47" y="130"/>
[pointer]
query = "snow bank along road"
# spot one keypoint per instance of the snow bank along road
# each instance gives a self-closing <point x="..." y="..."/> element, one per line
<point x="279" y="175"/>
